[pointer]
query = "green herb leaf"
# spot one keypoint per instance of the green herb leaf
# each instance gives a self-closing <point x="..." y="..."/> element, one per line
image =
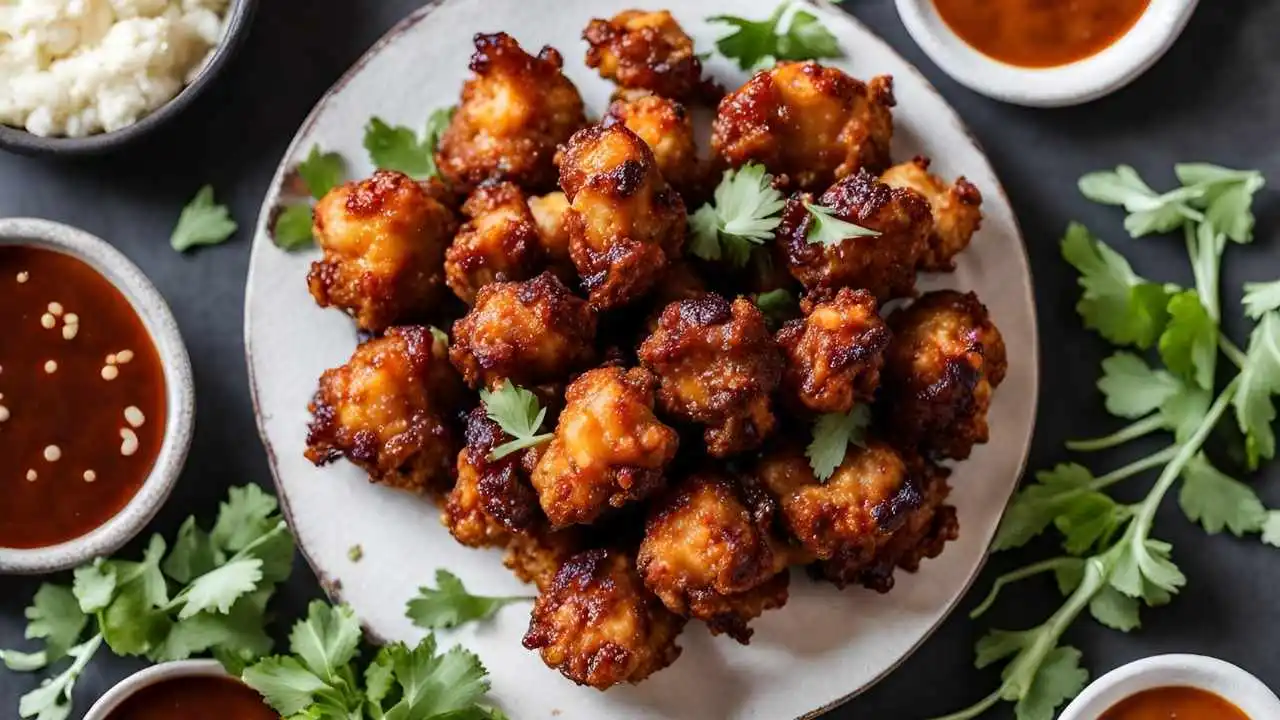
<point x="1189" y="343"/>
<point x="292" y="229"/>
<point x="431" y="684"/>
<point x="399" y="148"/>
<point x="1261" y="298"/>
<point x="245" y="517"/>
<point x="1216" y="500"/>
<point x="194" y="554"/>
<point x="1271" y="528"/>
<point x="449" y="604"/>
<point x="755" y="41"/>
<point x="832" y="435"/>
<point x="1036" y="506"/>
<point x="221" y="588"/>
<point x="1058" y="679"/>
<point x="745" y="211"/>
<point x="1148" y="212"/>
<point x="1121" y="306"/>
<point x="287" y="687"/>
<point x="55" y="616"/>
<point x="202" y="222"/>
<point x="1132" y="388"/>
<point x="778" y="306"/>
<point x="1088" y="520"/>
<point x="518" y="413"/>
<point x="1115" y="609"/>
<point x="239" y="633"/>
<point x="807" y="39"/>
<point x="94" y="585"/>
<point x="327" y="640"/>
<point x="1227" y="197"/>
<point x="52" y="700"/>
<point x="1259" y="380"/>
<point x="321" y="172"/>
<point x="132" y="624"/>
<point x="1143" y="570"/>
<point x="828" y="229"/>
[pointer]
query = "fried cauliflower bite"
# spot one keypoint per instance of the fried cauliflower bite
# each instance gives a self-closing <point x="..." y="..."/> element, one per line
<point x="709" y="551"/>
<point x="500" y="242"/>
<point x="718" y="365"/>
<point x="667" y="128"/>
<point x="528" y="332"/>
<point x="599" y="626"/>
<point x="645" y="50"/>
<point x="514" y="113"/>
<point x="625" y="223"/>
<point x="491" y="499"/>
<point x="386" y="411"/>
<point x="834" y="354"/>
<point x="549" y="215"/>
<point x="809" y="125"/>
<point x="384" y="240"/>
<point x="884" y="264"/>
<point x="944" y="362"/>
<point x="609" y="449"/>
<point x="957" y="211"/>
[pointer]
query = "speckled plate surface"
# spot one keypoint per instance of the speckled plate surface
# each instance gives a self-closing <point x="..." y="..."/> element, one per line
<point x="825" y="645"/>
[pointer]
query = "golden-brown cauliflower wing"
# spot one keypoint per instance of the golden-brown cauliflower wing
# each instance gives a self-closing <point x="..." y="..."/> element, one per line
<point x="884" y="264"/>
<point x="386" y="411"/>
<point x="513" y="114"/>
<point x="549" y="215"/>
<point x="667" y="127"/>
<point x="599" y="626"/>
<point x="809" y="125"/>
<point x="608" y="448"/>
<point x="944" y="362"/>
<point x="834" y="354"/>
<point x="957" y="211"/>
<point x="709" y="548"/>
<point x="625" y="223"/>
<point x="718" y="365"/>
<point x="528" y="332"/>
<point x="500" y="242"/>
<point x="646" y="50"/>
<point x="492" y="499"/>
<point x="384" y="240"/>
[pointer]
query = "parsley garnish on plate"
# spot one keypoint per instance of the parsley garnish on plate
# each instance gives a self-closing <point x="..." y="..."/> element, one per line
<point x="827" y="229"/>
<point x="777" y="306"/>
<point x="399" y="148"/>
<point x="206" y="593"/>
<point x="757" y="42"/>
<point x="202" y="222"/>
<point x="320" y="172"/>
<point x="518" y="413"/>
<point x="292" y="229"/>
<point x="833" y="433"/>
<point x="449" y="604"/>
<point x="1112" y="565"/>
<point x="745" y="211"/>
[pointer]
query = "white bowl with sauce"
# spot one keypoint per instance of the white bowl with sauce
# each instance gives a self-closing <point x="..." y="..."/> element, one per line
<point x="1073" y="83"/>
<point x="167" y="445"/>
<point x="187" y="681"/>
<point x="1215" y="676"/>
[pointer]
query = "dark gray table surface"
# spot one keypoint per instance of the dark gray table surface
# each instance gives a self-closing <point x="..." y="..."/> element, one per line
<point x="1214" y="97"/>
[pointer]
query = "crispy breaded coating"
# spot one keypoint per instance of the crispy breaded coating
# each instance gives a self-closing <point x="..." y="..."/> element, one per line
<point x="667" y="127"/>
<point x="492" y="499"/>
<point x="528" y="332"/>
<point x="809" y="125"/>
<point x="386" y="411"/>
<point x="514" y="113"/>
<point x="709" y="548"/>
<point x="608" y="449"/>
<point x="625" y="223"/>
<point x="384" y="240"/>
<point x="944" y="362"/>
<point x="549" y="215"/>
<point x="500" y="242"/>
<point x="923" y="534"/>
<point x="834" y="354"/>
<point x="647" y="50"/>
<point x="718" y="365"/>
<point x="884" y="264"/>
<point x="599" y="626"/>
<point x="957" y="210"/>
<point x="536" y="556"/>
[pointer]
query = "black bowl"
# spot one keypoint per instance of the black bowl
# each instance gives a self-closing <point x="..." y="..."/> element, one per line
<point x="239" y="15"/>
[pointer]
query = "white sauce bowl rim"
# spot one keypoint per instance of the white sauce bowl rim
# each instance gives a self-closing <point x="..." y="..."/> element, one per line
<point x="153" y="675"/>
<point x="1219" y="677"/>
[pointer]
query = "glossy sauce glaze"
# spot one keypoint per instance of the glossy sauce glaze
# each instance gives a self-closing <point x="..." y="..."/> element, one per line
<point x="82" y="398"/>
<point x="1176" y="702"/>
<point x="194" y="698"/>
<point x="1041" y="33"/>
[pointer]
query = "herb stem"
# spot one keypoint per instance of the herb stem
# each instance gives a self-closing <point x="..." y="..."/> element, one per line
<point x="975" y="709"/>
<point x="1133" y="468"/>
<point x="1231" y="350"/>
<point x="1020" y="574"/>
<point x="1145" y="426"/>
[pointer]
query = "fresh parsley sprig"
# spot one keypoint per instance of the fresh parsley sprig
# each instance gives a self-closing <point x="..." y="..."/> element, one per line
<point x="833" y="433"/>
<point x="1113" y="563"/>
<point x="202" y="222"/>
<point x="744" y="213"/>
<point x="518" y="413"/>
<point x="828" y="229"/>
<point x="449" y="604"/>
<point x="754" y="43"/>
<point x="395" y="147"/>
<point x="778" y="306"/>
<point x="320" y="173"/>
<point x="208" y="593"/>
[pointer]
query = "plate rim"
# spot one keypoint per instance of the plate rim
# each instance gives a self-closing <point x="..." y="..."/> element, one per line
<point x="333" y="589"/>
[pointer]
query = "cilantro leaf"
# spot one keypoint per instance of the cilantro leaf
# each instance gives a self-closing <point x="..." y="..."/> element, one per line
<point x="1115" y="609"/>
<point x="93" y="585"/>
<point x="1261" y="298"/>
<point x="321" y="172"/>
<point x="1148" y="212"/>
<point x="778" y="306"/>
<point x="1259" y="380"/>
<point x="131" y="624"/>
<point x="432" y="684"/>
<point x="239" y="632"/>
<point x="1271" y="528"/>
<point x="292" y="228"/>
<point x="1143" y="570"/>
<point x="1189" y="343"/>
<point x="1058" y="679"/>
<point x="193" y="554"/>
<point x="518" y="413"/>
<point x="755" y="41"/>
<point x="245" y="516"/>
<point x="1132" y="388"/>
<point x="449" y="604"/>
<point x="202" y="222"/>
<point x="744" y="212"/>
<point x="221" y="588"/>
<point x="1090" y="519"/>
<point x="52" y="700"/>
<point x="807" y="39"/>
<point x="327" y="640"/>
<point x="1216" y="500"/>
<point x="1227" y="197"/>
<point x="832" y="435"/>
<point x="399" y="148"/>
<point x="828" y="229"/>
<point x="1122" y="307"/>
<point x="284" y="683"/>
<point x="55" y="616"/>
<point x="1038" y="505"/>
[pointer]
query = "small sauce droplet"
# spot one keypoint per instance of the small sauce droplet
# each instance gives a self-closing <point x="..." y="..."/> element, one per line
<point x="50" y="366"/>
<point x="52" y="453"/>
<point x="90" y="476"/>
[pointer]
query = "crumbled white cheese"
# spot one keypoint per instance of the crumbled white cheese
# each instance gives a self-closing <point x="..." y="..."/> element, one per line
<point x="79" y="67"/>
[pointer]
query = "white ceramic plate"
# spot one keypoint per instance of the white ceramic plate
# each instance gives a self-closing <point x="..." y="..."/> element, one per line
<point x="824" y="646"/>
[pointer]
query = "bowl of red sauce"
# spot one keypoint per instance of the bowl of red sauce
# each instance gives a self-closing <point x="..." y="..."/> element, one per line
<point x="181" y="690"/>
<point x="1175" y="686"/>
<point x="1045" y="53"/>
<point x="96" y="398"/>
